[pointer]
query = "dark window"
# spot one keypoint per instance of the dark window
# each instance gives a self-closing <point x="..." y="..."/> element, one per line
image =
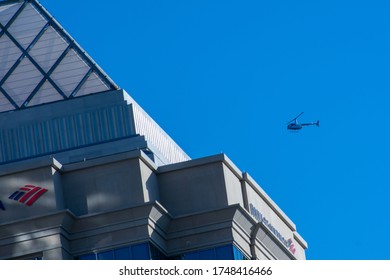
<point x="91" y="256"/>
<point x="228" y="252"/>
<point x="225" y="252"/>
<point x="208" y="255"/>
<point x="123" y="254"/>
<point x="107" y="255"/>
<point x="156" y="254"/>
<point x="191" y="256"/>
<point x="144" y="251"/>
<point x="238" y="255"/>
<point x="140" y="252"/>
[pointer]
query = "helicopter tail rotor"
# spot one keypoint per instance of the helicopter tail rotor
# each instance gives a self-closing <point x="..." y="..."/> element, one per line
<point x="318" y="123"/>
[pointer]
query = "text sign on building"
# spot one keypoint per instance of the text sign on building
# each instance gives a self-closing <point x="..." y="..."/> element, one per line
<point x="288" y="243"/>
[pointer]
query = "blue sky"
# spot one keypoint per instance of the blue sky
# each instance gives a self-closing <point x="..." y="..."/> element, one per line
<point x="226" y="76"/>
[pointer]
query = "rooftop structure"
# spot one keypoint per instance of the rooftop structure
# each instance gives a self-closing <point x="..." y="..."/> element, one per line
<point x="40" y="62"/>
<point x="85" y="173"/>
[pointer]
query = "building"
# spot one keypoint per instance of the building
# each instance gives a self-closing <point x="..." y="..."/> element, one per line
<point x="85" y="173"/>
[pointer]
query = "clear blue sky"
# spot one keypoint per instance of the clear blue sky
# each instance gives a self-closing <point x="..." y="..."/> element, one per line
<point x="226" y="76"/>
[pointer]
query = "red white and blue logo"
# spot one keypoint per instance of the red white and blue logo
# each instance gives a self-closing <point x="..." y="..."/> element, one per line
<point x="28" y="194"/>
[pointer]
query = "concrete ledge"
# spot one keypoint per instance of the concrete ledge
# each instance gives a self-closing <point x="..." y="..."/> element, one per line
<point x="300" y="240"/>
<point x="30" y="164"/>
<point x="109" y="159"/>
<point x="202" y="161"/>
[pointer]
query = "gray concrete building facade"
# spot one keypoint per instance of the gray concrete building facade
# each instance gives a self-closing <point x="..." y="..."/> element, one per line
<point x="86" y="173"/>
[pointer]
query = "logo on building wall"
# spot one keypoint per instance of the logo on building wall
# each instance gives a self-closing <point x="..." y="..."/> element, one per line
<point x="259" y="217"/>
<point x="28" y="194"/>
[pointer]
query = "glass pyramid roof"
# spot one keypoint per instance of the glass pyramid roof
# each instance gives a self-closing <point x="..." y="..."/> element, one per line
<point x="39" y="61"/>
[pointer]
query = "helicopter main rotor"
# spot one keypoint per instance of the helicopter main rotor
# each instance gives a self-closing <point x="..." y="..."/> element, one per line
<point x="295" y="119"/>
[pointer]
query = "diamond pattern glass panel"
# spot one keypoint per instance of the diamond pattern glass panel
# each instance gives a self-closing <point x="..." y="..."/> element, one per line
<point x="91" y="85"/>
<point x="4" y="104"/>
<point x="70" y="72"/>
<point x="45" y="94"/>
<point x="22" y="81"/>
<point x="27" y="25"/>
<point x="44" y="60"/>
<point x="9" y="53"/>
<point x="48" y="49"/>
<point x="6" y="12"/>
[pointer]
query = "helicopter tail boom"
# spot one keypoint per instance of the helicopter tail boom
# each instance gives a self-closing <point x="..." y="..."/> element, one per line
<point x="313" y="123"/>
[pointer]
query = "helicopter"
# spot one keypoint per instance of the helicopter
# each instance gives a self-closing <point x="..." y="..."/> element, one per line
<point x="294" y="125"/>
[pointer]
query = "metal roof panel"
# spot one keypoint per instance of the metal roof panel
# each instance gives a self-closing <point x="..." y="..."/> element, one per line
<point x="40" y="61"/>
